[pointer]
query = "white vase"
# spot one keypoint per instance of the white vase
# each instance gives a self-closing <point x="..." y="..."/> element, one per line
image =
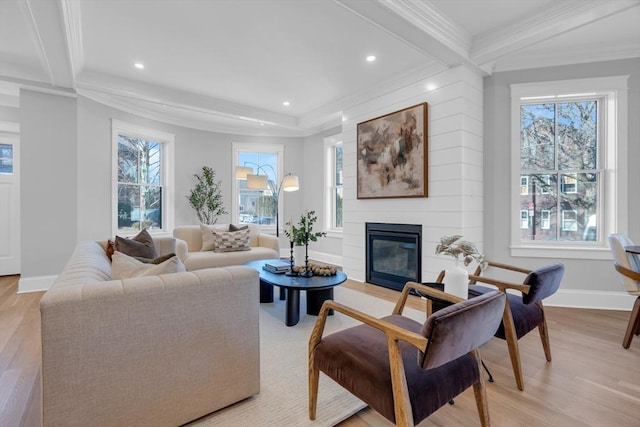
<point x="456" y="281"/>
<point x="298" y="255"/>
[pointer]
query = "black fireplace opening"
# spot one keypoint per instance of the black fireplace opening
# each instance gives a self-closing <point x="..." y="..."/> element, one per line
<point x="393" y="254"/>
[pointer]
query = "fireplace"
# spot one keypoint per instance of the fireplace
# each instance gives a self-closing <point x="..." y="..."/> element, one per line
<point x="393" y="254"/>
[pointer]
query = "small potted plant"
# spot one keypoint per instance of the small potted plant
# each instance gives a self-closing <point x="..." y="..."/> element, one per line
<point x="456" y="279"/>
<point x="301" y="234"/>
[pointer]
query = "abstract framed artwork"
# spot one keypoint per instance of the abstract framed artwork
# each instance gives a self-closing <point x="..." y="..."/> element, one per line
<point x="392" y="155"/>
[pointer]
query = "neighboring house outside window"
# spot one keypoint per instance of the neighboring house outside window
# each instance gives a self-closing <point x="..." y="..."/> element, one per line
<point x="258" y="206"/>
<point x="569" y="136"/>
<point x="333" y="184"/>
<point x="142" y="175"/>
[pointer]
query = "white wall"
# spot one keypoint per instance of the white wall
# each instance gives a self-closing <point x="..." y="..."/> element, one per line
<point x="48" y="196"/>
<point x="589" y="283"/>
<point x="455" y="146"/>
<point x="193" y="149"/>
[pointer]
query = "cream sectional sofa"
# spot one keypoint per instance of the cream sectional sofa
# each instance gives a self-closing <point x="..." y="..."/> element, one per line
<point x="146" y="351"/>
<point x="263" y="246"/>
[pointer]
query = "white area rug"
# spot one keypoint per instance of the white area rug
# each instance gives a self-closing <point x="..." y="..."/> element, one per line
<point x="283" y="398"/>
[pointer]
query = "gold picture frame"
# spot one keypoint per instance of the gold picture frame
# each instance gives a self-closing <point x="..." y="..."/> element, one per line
<point x="392" y="155"/>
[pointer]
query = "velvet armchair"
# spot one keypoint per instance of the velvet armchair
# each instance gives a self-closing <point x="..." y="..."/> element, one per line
<point x="403" y="369"/>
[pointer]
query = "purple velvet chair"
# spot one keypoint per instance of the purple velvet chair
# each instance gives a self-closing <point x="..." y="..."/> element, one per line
<point x="403" y="369"/>
<point x="523" y="312"/>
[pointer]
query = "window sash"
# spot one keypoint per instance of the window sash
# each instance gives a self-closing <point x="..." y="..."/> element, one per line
<point x="613" y="203"/>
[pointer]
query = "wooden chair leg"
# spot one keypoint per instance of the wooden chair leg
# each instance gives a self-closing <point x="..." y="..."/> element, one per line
<point x="634" y="324"/>
<point x="544" y="335"/>
<point x="314" y="377"/>
<point x="512" y="344"/>
<point x="480" y="393"/>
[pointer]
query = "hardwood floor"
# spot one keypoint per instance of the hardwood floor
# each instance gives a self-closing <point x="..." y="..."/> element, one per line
<point x="592" y="380"/>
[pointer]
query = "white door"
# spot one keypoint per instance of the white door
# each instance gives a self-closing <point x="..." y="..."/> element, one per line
<point x="9" y="205"/>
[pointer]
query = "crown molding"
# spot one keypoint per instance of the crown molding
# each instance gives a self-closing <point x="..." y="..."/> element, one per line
<point x="432" y="22"/>
<point x="71" y="16"/>
<point x="582" y="56"/>
<point x="556" y="20"/>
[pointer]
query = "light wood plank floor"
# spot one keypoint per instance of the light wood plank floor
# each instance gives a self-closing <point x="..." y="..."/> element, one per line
<point x="592" y="380"/>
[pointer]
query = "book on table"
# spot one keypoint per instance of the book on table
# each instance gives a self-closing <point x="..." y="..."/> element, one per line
<point x="277" y="266"/>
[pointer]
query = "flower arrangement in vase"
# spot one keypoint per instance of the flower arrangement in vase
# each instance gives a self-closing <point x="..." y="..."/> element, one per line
<point x="457" y="278"/>
<point x="301" y="234"/>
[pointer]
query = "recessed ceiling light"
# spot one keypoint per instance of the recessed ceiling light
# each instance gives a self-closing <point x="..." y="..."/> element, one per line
<point x="139" y="65"/>
<point x="371" y="58"/>
<point x="286" y="103"/>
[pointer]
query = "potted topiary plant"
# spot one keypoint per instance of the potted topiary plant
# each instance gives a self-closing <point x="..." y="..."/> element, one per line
<point x="206" y="197"/>
<point x="301" y="234"/>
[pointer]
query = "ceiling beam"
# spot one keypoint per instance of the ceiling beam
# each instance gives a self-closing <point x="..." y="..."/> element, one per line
<point x="554" y="21"/>
<point x="45" y="25"/>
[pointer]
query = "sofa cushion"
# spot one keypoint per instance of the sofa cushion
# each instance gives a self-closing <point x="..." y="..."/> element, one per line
<point x="124" y="267"/>
<point x="208" y="240"/>
<point x="156" y="261"/>
<point x="140" y="245"/>
<point x="231" y="241"/>
<point x="202" y="260"/>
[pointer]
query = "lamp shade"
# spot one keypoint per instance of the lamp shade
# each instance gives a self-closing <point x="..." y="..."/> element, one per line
<point x="290" y="183"/>
<point x="257" y="182"/>
<point x="242" y="172"/>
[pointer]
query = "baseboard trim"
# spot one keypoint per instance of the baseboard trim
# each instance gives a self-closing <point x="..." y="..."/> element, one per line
<point x="600" y="300"/>
<point x="35" y="284"/>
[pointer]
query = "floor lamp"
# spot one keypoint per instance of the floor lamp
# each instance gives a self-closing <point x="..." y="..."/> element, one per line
<point x="261" y="182"/>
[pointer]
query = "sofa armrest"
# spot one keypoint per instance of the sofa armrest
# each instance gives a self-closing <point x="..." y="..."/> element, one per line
<point x="269" y="241"/>
<point x="156" y="350"/>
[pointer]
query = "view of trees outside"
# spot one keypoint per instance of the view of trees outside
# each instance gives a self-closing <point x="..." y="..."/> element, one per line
<point x="258" y="206"/>
<point x="559" y="176"/>
<point x="139" y="184"/>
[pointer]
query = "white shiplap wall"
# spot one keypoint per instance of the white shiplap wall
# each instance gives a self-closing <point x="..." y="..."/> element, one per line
<point x="455" y="145"/>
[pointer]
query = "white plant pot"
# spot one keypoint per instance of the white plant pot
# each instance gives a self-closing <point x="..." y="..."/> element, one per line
<point x="456" y="281"/>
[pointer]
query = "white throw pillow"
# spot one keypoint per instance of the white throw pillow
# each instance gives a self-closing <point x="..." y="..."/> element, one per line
<point x="123" y="267"/>
<point x="208" y="240"/>
<point x="232" y="241"/>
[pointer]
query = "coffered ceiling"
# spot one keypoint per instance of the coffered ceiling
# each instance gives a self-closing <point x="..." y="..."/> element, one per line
<point x="228" y="66"/>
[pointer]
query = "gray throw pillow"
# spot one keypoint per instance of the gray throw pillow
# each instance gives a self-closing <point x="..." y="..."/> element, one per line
<point x="231" y="241"/>
<point x="156" y="261"/>
<point x="237" y="227"/>
<point x="140" y="245"/>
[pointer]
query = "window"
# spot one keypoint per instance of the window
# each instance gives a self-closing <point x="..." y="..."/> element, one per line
<point x="524" y="185"/>
<point x="6" y="158"/>
<point x="252" y="205"/>
<point x="571" y="137"/>
<point x="545" y="219"/>
<point x="141" y="179"/>
<point x="334" y="184"/>
<point x="569" y="183"/>
<point x="569" y="220"/>
<point x="545" y="184"/>
<point x="524" y="219"/>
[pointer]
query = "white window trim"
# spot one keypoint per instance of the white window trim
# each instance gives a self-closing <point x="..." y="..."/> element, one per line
<point x="168" y="173"/>
<point x="259" y="148"/>
<point x="614" y="205"/>
<point x="564" y="219"/>
<point x="329" y="203"/>
<point x="522" y="218"/>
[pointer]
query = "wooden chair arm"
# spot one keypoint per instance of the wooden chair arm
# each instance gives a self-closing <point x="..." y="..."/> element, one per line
<point x="500" y="284"/>
<point x="427" y="291"/>
<point x="402" y="404"/>
<point x="633" y="275"/>
<point x="392" y="331"/>
<point x="502" y="266"/>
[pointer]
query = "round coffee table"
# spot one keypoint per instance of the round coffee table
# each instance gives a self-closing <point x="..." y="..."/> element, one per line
<point x="318" y="288"/>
